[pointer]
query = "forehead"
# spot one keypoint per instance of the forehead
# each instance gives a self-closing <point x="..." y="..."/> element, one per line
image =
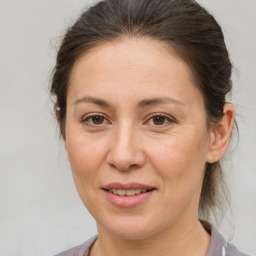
<point x="131" y="54"/>
<point x="141" y="66"/>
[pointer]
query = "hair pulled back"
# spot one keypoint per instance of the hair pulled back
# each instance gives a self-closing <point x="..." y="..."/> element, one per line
<point x="187" y="28"/>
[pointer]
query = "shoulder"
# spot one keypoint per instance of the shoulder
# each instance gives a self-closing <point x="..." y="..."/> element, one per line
<point x="71" y="252"/>
<point x="81" y="250"/>
<point x="231" y="250"/>
<point x="218" y="245"/>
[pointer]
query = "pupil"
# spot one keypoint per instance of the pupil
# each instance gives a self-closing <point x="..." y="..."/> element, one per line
<point x="158" y="120"/>
<point x="97" y="119"/>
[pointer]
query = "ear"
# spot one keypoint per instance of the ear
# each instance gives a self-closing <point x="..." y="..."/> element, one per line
<point x="66" y="148"/>
<point x="220" y="135"/>
<point x="57" y="114"/>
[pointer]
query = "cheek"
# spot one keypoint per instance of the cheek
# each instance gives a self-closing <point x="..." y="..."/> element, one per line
<point x="180" y="160"/>
<point x="86" y="155"/>
<point x="180" y="164"/>
<point x="86" y="158"/>
<point x="176" y="152"/>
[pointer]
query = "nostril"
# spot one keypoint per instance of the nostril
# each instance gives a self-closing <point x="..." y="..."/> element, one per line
<point x="124" y="155"/>
<point x="122" y="167"/>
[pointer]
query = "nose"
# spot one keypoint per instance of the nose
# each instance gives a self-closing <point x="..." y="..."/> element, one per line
<point x="126" y="150"/>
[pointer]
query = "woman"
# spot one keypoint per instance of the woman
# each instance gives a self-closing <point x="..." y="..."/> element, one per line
<point x="140" y="90"/>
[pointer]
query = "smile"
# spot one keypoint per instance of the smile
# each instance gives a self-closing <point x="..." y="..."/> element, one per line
<point x="130" y="192"/>
<point x="128" y="195"/>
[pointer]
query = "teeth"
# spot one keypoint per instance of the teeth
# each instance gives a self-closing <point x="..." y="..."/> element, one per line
<point x="137" y="191"/>
<point x="121" y="192"/>
<point x="130" y="192"/>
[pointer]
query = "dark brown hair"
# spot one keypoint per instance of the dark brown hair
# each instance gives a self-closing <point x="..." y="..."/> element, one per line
<point x="187" y="28"/>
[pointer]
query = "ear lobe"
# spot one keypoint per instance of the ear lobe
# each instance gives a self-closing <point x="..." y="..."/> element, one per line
<point x="220" y="134"/>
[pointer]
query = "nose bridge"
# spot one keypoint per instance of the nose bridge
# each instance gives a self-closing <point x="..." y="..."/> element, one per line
<point x="125" y="150"/>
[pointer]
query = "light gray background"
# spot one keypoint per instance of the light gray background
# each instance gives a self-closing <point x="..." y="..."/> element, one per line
<point x="40" y="212"/>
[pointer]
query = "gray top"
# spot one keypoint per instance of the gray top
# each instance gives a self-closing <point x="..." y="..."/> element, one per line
<point x="218" y="246"/>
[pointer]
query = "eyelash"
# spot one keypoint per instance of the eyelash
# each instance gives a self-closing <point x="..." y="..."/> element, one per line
<point x="167" y="120"/>
<point x="93" y="115"/>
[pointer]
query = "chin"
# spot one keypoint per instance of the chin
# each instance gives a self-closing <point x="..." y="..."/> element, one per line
<point x="130" y="228"/>
<point x="128" y="234"/>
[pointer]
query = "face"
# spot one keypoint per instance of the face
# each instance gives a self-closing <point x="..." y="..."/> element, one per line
<point x="136" y="137"/>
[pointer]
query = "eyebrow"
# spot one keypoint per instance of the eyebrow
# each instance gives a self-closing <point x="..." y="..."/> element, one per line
<point x="157" y="101"/>
<point x="96" y="101"/>
<point x="141" y="104"/>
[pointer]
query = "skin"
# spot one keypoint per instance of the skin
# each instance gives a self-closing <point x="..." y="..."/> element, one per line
<point x="126" y="144"/>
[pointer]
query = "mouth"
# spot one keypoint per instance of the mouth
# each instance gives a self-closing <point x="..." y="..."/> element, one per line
<point x="128" y="195"/>
<point x="128" y="192"/>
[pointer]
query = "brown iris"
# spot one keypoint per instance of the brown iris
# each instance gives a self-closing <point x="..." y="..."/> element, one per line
<point x="158" y="120"/>
<point x="97" y="119"/>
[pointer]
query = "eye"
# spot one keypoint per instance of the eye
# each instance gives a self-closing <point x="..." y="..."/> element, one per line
<point x="159" y="120"/>
<point x="94" y="120"/>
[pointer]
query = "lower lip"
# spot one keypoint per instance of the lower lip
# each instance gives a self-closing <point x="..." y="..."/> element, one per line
<point x="128" y="201"/>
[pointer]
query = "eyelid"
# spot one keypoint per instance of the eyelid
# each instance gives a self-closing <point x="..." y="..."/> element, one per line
<point x="90" y="115"/>
<point x="85" y="118"/>
<point x="168" y="118"/>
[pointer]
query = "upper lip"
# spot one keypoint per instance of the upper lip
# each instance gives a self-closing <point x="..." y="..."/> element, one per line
<point x="127" y="186"/>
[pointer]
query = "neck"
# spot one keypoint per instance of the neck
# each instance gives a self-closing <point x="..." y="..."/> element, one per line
<point x="191" y="240"/>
